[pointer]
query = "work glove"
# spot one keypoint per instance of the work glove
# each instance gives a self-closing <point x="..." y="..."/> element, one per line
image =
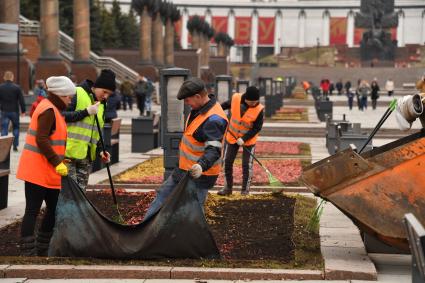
<point x="105" y="156"/>
<point x="92" y="109"/>
<point x="196" y="171"/>
<point x="61" y="169"/>
<point x="240" y="142"/>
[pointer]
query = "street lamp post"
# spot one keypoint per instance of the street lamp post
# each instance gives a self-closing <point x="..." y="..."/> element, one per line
<point x="317" y="52"/>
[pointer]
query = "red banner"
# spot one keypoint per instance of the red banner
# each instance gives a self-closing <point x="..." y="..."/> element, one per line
<point x="338" y="31"/>
<point x="358" y="34"/>
<point x="219" y="24"/>
<point x="266" y="31"/>
<point x="394" y="33"/>
<point x="178" y="29"/>
<point x="243" y="30"/>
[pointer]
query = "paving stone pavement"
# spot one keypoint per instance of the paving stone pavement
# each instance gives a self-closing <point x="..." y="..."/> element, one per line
<point x="390" y="269"/>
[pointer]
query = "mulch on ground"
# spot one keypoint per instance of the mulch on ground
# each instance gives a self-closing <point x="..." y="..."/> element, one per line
<point x="254" y="231"/>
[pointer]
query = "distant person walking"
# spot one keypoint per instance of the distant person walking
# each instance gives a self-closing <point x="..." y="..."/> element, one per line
<point x="127" y="94"/>
<point x="389" y="87"/>
<point x="113" y="103"/>
<point x="350" y="96"/>
<point x="11" y="99"/>
<point x="347" y="86"/>
<point x="140" y="90"/>
<point x="364" y="91"/>
<point x="339" y="86"/>
<point x="374" y="86"/>
<point x="148" y="101"/>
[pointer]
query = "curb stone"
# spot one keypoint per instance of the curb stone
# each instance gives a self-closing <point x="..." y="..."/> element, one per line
<point x="87" y="271"/>
<point x="244" y="273"/>
<point x="2" y="270"/>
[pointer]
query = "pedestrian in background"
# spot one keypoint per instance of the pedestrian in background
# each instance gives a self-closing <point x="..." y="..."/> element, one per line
<point x="148" y="100"/>
<point x="364" y="91"/>
<point x="11" y="99"/>
<point x="347" y="86"/>
<point x="140" y="90"/>
<point x="126" y="90"/>
<point x="389" y="87"/>
<point x="41" y="165"/>
<point x="113" y="103"/>
<point x="374" y="93"/>
<point x="350" y="96"/>
<point x="83" y="135"/>
<point x="339" y="86"/>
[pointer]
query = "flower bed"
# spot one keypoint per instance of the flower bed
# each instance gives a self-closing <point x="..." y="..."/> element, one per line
<point x="286" y="170"/>
<point x="267" y="148"/>
<point x="291" y="114"/>
<point x="263" y="231"/>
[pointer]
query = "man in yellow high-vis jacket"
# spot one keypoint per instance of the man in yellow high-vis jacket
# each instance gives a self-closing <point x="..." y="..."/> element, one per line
<point x="83" y="135"/>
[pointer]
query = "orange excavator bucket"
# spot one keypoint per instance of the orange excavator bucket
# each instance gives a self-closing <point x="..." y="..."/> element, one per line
<point x="377" y="188"/>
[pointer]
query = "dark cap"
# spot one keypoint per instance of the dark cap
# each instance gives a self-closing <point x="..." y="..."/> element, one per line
<point x="190" y="87"/>
<point x="252" y="93"/>
<point x="105" y="80"/>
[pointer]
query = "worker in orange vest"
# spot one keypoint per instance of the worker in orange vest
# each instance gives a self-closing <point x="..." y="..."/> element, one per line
<point x="201" y="145"/>
<point x="41" y="164"/>
<point x="246" y="121"/>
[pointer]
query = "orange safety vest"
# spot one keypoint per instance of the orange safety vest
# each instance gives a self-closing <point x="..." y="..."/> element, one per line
<point x="33" y="166"/>
<point x="239" y="126"/>
<point x="190" y="150"/>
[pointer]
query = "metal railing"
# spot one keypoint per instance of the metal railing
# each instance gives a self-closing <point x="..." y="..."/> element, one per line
<point x="66" y="50"/>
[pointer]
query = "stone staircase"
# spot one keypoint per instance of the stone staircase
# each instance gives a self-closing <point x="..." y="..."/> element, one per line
<point x="66" y="50"/>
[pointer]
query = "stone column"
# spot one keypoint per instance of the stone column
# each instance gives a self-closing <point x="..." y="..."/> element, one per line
<point x="326" y="29"/>
<point x="278" y="33"/>
<point x="231" y="33"/>
<point x="301" y="29"/>
<point x="145" y="48"/>
<point x="254" y="36"/>
<point x="205" y="51"/>
<point x="169" y="43"/>
<point x="158" y="41"/>
<point x="50" y="63"/>
<point x="350" y="29"/>
<point x="400" y="29"/>
<point x="9" y="14"/>
<point x="82" y="67"/>
<point x="221" y="49"/>
<point x="184" y="39"/>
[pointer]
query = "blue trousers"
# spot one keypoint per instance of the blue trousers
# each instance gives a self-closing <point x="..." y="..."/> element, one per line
<point x="14" y="118"/>
<point x="202" y="184"/>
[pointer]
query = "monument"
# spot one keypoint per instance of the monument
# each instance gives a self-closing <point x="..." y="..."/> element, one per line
<point x="377" y="17"/>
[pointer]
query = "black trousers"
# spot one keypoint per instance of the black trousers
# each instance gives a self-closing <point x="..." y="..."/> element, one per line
<point x="141" y="98"/>
<point x="34" y="197"/>
<point x="230" y="152"/>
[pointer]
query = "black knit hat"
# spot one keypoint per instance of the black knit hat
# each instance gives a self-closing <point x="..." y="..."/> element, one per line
<point x="105" y="80"/>
<point x="190" y="87"/>
<point x="251" y="93"/>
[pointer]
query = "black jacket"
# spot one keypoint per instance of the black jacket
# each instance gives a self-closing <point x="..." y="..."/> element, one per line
<point x="11" y="97"/>
<point x="256" y="126"/>
<point x="112" y="105"/>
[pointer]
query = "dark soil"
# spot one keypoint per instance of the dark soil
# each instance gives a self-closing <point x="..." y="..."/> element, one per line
<point x="254" y="231"/>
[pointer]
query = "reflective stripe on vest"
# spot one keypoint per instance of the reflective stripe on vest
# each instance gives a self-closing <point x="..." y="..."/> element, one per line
<point x="33" y="165"/>
<point x="238" y="125"/>
<point x="83" y="135"/>
<point x="190" y="150"/>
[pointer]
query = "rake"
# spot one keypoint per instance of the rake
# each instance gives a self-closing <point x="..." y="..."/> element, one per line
<point x="273" y="181"/>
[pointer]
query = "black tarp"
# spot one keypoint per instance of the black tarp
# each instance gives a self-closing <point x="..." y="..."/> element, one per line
<point x="177" y="230"/>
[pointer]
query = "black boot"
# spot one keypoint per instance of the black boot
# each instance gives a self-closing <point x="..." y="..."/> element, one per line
<point x="43" y="241"/>
<point x="27" y="246"/>
<point x="226" y="191"/>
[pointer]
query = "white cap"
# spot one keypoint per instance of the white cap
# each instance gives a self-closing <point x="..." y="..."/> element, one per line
<point x="61" y="86"/>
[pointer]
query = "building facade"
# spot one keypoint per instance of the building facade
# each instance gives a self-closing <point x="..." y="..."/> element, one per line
<point x="265" y="27"/>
